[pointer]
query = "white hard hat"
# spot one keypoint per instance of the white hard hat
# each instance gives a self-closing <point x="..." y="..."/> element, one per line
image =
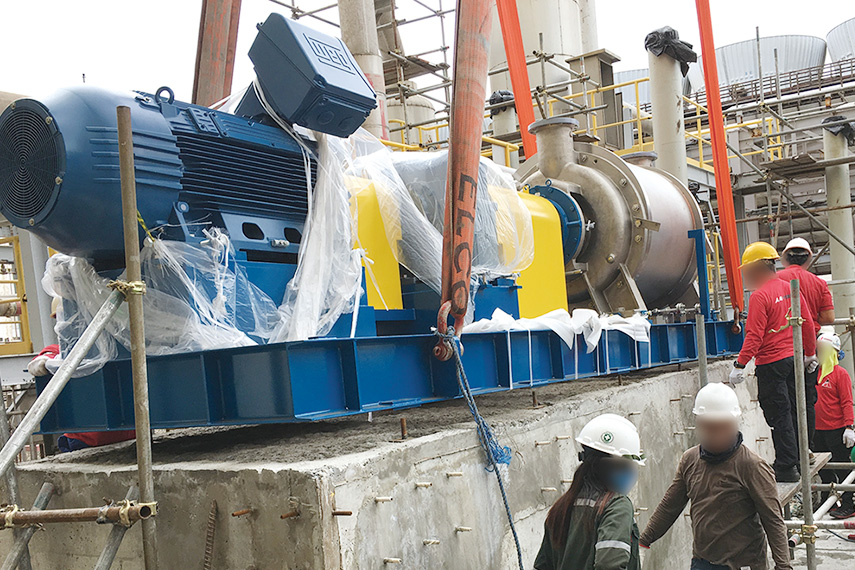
<point x="830" y="338"/>
<point x="717" y="402"/>
<point x="798" y="243"/>
<point x="614" y="435"/>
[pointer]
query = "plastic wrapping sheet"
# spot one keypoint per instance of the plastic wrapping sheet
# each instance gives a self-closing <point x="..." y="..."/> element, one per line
<point x="328" y="279"/>
<point x="413" y="209"/>
<point x="583" y="321"/>
<point x="196" y="298"/>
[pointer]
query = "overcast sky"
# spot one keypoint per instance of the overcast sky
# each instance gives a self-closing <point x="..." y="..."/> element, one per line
<point x="143" y="45"/>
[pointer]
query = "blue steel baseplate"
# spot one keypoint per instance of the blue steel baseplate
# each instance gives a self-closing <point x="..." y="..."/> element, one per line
<point x="330" y="377"/>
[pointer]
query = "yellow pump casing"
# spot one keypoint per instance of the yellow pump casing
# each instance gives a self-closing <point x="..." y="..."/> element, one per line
<point x="382" y="276"/>
<point x="542" y="282"/>
<point x="543" y="288"/>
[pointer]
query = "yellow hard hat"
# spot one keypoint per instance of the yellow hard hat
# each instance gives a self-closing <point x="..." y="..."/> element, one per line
<point x="758" y="251"/>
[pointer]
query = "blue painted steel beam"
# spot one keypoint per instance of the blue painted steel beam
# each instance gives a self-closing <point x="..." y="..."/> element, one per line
<point x="703" y="277"/>
<point x="332" y="377"/>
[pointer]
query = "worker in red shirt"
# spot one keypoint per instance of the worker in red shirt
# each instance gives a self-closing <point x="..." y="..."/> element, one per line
<point x="796" y="259"/>
<point x="769" y="341"/>
<point x="73" y="441"/>
<point x="835" y="431"/>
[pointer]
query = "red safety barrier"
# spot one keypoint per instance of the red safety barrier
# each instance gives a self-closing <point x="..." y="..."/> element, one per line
<point x="469" y="89"/>
<point x="724" y="192"/>
<point x="509" y="19"/>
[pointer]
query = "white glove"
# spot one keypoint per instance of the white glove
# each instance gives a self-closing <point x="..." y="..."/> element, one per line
<point x="737" y="376"/>
<point x="848" y="437"/>
<point x="37" y="367"/>
<point x="811" y="364"/>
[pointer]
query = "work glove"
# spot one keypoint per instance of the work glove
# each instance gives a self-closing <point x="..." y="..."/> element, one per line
<point x="848" y="437"/>
<point x="811" y="364"/>
<point x="37" y="367"/>
<point x="737" y="376"/>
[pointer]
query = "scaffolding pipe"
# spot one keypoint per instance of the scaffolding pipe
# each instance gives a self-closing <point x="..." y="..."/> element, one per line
<point x="12" y="486"/>
<point x="832" y="500"/>
<point x="820" y="525"/>
<point x="106" y="514"/>
<point x="845" y="245"/>
<point x="801" y="411"/>
<point x="842" y="466"/>
<point x="701" y="331"/>
<point x="49" y="394"/>
<point x="142" y="421"/>
<point x="114" y="541"/>
<point x="825" y="487"/>
<point x="23" y="539"/>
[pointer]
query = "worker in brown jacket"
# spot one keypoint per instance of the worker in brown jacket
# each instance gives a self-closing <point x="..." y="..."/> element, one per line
<point x="735" y="506"/>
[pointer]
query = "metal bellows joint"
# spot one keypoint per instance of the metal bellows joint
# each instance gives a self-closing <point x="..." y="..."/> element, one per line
<point x="625" y="226"/>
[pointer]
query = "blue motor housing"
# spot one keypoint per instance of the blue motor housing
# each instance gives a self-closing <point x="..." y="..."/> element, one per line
<point x="195" y="168"/>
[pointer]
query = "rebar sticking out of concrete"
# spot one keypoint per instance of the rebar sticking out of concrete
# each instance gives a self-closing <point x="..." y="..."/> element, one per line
<point x="290" y="515"/>
<point x="210" y="533"/>
<point x="105" y="561"/>
<point x="450" y="474"/>
<point x="463" y="529"/>
<point x="241" y="512"/>
<point x="423" y="484"/>
<point x="23" y="539"/>
<point x="382" y="499"/>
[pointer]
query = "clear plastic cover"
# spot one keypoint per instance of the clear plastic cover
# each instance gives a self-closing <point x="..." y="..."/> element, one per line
<point x="196" y="298"/>
<point x="413" y="204"/>
<point x="199" y="298"/>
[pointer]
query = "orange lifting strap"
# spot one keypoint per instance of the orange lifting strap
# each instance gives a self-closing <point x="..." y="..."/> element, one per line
<point x="469" y="89"/>
<point x="509" y="19"/>
<point x="724" y="192"/>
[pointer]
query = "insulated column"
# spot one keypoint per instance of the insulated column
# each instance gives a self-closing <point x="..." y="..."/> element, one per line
<point x="840" y="222"/>
<point x="666" y="95"/>
<point x="359" y="33"/>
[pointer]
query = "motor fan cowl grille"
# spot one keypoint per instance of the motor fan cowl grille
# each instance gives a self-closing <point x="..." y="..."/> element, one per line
<point x="32" y="162"/>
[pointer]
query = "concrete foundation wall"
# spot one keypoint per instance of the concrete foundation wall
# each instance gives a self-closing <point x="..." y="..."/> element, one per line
<point x="461" y="493"/>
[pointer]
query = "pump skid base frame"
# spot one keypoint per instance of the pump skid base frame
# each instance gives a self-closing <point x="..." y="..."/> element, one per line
<point x="332" y="377"/>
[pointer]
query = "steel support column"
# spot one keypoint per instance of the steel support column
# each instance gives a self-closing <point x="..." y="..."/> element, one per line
<point x="215" y="52"/>
<point x="840" y="223"/>
<point x="359" y="33"/>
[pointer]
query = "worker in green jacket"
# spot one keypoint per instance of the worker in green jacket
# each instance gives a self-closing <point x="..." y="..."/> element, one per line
<point x="591" y="526"/>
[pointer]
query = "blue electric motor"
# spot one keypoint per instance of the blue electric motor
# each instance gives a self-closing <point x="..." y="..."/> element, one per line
<point x="195" y="167"/>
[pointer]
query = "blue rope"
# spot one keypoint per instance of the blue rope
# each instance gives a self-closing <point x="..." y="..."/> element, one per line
<point x="496" y="453"/>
